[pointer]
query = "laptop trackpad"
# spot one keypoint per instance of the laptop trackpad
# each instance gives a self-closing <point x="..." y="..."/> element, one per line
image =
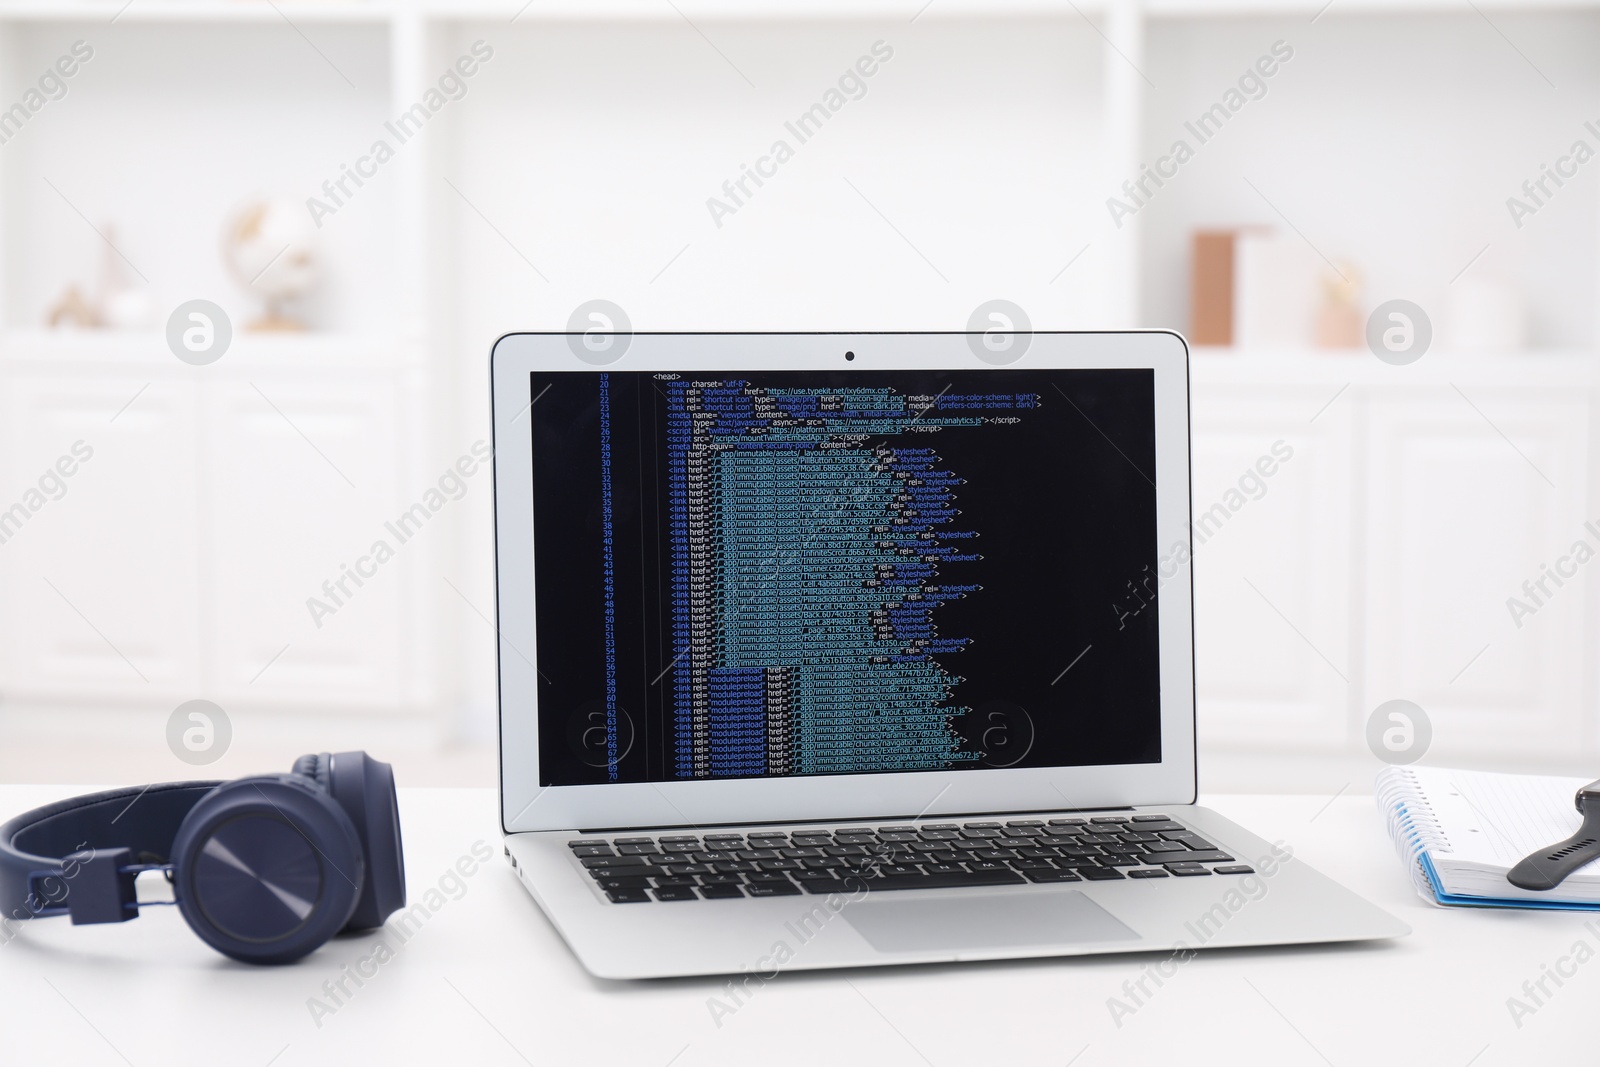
<point x="909" y="922"/>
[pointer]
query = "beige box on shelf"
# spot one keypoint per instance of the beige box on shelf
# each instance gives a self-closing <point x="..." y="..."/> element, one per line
<point x="1211" y="287"/>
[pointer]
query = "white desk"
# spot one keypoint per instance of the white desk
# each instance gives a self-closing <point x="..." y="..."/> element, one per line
<point x="486" y="981"/>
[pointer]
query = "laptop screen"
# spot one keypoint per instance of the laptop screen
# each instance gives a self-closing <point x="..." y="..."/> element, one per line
<point x="764" y="574"/>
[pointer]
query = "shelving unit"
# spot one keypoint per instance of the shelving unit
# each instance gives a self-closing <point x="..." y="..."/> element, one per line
<point x="221" y="497"/>
<point x="976" y="164"/>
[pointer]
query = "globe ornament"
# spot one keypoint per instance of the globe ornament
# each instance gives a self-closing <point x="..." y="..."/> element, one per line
<point x="269" y="247"/>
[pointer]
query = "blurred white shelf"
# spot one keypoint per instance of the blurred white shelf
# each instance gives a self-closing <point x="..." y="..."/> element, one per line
<point x="522" y="12"/>
<point x="1534" y="368"/>
<point x="124" y="11"/>
<point x="130" y="347"/>
<point x="752" y="10"/>
<point x="380" y="401"/>
<point x="1309" y="9"/>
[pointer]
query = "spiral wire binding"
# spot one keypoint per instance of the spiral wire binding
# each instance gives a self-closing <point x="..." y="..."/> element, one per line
<point x="1413" y="826"/>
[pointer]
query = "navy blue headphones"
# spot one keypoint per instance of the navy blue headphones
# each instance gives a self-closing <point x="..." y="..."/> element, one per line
<point x="264" y="869"/>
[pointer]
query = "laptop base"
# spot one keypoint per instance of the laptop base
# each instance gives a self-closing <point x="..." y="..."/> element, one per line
<point x="1283" y="901"/>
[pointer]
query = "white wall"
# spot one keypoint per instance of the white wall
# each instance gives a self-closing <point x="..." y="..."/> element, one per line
<point x="1391" y="142"/>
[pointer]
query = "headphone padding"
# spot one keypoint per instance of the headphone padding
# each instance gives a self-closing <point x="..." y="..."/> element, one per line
<point x="314" y="765"/>
<point x="364" y="788"/>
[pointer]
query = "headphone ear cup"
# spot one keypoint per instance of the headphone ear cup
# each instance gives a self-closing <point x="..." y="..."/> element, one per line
<point x="364" y="787"/>
<point x="267" y="869"/>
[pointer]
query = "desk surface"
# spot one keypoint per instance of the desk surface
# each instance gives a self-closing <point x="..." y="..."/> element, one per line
<point x="486" y="980"/>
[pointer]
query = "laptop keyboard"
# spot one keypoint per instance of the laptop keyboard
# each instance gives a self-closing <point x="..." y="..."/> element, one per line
<point x="717" y="866"/>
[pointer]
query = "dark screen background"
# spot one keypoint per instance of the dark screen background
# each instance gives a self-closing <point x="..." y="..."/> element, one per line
<point x="1066" y="505"/>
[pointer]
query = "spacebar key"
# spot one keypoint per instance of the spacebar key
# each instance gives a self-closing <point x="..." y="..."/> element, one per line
<point x="942" y="881"/>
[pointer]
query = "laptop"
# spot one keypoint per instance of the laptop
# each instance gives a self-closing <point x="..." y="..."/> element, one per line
<point x="842" y="650"/>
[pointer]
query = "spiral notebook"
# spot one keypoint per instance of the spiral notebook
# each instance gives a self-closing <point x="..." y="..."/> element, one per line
<point x="1459" y="832"/>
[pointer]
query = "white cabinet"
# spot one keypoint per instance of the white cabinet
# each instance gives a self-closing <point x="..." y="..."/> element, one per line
<point x="99" y="583"/>
<point x="1272" y="615"/>
<point x="301" y="473"/>
<point x="1378" y="562"/>
<point x="177" y="559"/>
<point x="1469" y="493"/>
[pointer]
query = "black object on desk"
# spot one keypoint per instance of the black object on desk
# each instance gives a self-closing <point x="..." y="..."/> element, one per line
<point x="1548" y="867"/>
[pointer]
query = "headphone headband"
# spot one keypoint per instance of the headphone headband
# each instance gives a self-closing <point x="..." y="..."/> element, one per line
<point x="42" y="851"/>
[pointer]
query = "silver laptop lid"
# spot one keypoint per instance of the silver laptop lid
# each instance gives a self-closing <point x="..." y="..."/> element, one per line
<point x="763" y="577"/>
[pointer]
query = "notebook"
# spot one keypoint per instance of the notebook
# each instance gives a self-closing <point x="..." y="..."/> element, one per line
<point x="1459" y="832"/>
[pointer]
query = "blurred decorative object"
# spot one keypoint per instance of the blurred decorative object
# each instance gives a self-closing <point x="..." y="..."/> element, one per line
<point x="119" y="302"/>
<point x="270" y="247"/>
<point x="1211" y="287"/>
<point x="73" y="311"/>
<point x="1486" y="315"/>
<point x="123" y="304"/>
<point x="1340" y="323"/>
<point x="1276" y="279"/>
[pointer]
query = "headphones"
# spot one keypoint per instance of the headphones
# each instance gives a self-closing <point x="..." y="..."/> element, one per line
<point x="265" y="869"/>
